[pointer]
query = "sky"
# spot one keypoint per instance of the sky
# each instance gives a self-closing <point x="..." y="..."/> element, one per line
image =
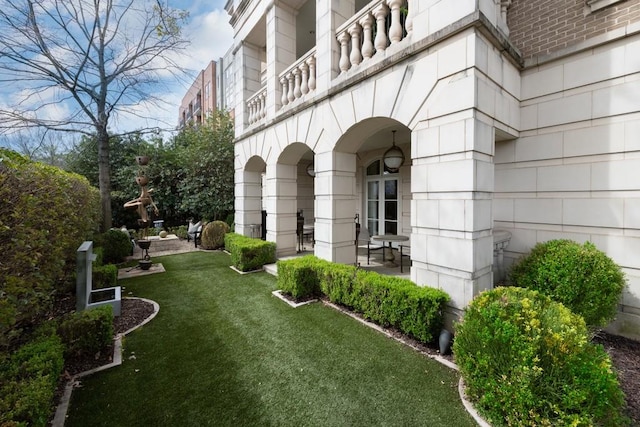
<point x="210" y="34"/>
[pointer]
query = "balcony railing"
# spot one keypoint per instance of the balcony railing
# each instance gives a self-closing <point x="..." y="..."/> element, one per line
<point x="380" y="24"/>
<point x="299" y="79"/>
<point x="256" y="106"/>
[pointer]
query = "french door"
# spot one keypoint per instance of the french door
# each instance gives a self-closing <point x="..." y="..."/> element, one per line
<point x="383" y="200"/>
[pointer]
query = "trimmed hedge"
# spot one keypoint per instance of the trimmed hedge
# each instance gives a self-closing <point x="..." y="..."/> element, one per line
<point x="104" y="276"/>
<point x="45" y="215"/>
<point x="527" y="360"/>
<point x="387" y="300"/>
<point x="28" y="381"/>
<point x="581" y="277"/>
<point x="87" y="332"/>
<point x="249" y="254"/>
<point x="115" y="244"/>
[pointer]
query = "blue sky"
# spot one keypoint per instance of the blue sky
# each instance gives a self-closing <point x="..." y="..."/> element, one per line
<point x="211" y="36"/>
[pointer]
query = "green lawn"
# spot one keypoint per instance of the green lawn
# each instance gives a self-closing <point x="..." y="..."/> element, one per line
<point x="224" y="351"/>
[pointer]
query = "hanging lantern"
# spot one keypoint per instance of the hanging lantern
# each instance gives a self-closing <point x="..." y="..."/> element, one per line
<point x="394" y="157"/>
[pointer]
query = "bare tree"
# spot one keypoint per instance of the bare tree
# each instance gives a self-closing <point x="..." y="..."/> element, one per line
<point x="77" y="64"/>
<point x="39" y="144"/>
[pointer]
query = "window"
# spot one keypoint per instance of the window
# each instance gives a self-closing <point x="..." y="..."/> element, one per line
<point x="382" y="199"/>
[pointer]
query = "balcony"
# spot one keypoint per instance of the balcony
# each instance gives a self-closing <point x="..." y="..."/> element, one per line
<point x="361" y="42"/>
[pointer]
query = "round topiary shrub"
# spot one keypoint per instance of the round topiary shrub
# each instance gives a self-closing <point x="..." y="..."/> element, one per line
<point x="116" y="246"/>
<point x="581" y="277"/>
<point x="213" y="234"/>
<point x="526" y="360"/>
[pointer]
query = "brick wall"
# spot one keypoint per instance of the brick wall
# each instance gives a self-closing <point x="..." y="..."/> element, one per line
<point x="539" y="27"/>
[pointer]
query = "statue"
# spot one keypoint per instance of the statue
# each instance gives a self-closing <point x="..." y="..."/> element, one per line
<point x="141" y="203"/>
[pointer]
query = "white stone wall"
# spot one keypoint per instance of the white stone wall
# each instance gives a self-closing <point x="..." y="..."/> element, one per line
<point x="574" y="172"/>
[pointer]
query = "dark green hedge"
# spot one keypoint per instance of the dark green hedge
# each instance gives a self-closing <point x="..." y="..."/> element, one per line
<point x="249" y="254"/>
<point x="115" y="245"/>
<point x="386" y="300"/>
<point x="45" y="215"/>
<point x="527" y="360"/>
<point x="28" y="381"/>
<point x="87" y="332"/>
<point x="104" y="276"/>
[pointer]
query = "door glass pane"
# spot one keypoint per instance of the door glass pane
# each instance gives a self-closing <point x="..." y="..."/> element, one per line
<point x="373" y="227"/>
<point x="391" y="210"/>
<point x="374" y="168"/>
<point x="372" y="210"/>
<point x="390" y="227"/>
<point x="391" y="189"/>
<point x="373" y="190"/>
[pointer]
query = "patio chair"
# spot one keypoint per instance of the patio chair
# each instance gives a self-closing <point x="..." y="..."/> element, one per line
<point x="194" y="232"/>
<point x="364" y="240"/>
<point x="405" y="252"/>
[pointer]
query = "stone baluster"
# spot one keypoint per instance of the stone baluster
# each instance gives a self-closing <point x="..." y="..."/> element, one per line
<point x="395" y="31"/>
<point x="344" y="63"/>
<point x="290" y="95"/>
<point x="356" y="57"/>
<point x="297" y="92"/>
<point x="408" y="23"/>
<point x="367" y="34"/>
<point x="250" y="108"/>
<point x="254" y="110"/>
<point x="284" y="99"/>
<point x="304" y="85"/>
<point x="381" y="41"/>
<point x="263" y="104"/>
<point x="312" y="72"/>
<point x="504" y="8"/>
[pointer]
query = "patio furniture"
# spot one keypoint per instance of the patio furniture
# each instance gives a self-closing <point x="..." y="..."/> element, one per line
<point x="194" y="231"/>
<point x="391" y="238"/>
<point x="364" y="240"/>
<point x="405" y="251"/>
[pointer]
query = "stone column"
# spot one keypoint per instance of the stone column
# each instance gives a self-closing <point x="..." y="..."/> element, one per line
<point x="335" y="206"/>
<point x="281" y="205"/>
<point x="330" y="15"/>
<point x="281" y="51"/>
<point x="248" y="201"/>
<point x="451" y="209"/>
<point x="247" y="65"/>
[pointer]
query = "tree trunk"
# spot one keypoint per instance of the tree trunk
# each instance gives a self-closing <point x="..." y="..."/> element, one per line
<point x="104" y="178"/>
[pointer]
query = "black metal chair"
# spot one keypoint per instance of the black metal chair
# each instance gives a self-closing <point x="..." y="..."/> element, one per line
<point x="405" y="251"/>
<point x="364" y="240"/>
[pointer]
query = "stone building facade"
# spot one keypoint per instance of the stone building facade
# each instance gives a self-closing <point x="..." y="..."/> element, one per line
<point x="201" y="99"/>
<point x="513" y="115"/>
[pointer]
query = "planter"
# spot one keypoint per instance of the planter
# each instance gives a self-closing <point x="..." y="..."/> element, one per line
<point x="142" y="160"/>
<point x="144" y="264"/>
<point x="142" y="180"/>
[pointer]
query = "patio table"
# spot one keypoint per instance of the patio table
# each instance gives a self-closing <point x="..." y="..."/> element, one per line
<point x="391" y="238"/>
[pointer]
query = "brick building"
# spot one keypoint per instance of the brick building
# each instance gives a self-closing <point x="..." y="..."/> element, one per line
<point x="516" y="118"/>
<point x="200" y="99"/>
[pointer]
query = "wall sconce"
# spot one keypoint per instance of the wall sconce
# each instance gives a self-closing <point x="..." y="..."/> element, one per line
<point x="394" y="157"/>
<point x="311" y="171"/>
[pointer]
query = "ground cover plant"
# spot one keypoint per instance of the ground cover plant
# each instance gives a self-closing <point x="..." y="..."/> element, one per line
<point x="527" y="360"/>
<point x="224" y="351"/>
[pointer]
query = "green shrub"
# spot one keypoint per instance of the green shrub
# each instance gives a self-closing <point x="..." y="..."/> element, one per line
<point x="45" y="215"/>
<point x="28" y="381"/>
<point x="581" y="277"/>
<point x="213" y="235"/>
<point x="526" y="360"/>
<point x="386" y="300"/>
<point x="104" y="276"/>
<point x="249" y="254"/>
<point x="115" y="244"/>
<point x="99" y="260"/>
<point x="298" y="277"/>
<point x="87" y="332"/>
<point x="180" y="231"/>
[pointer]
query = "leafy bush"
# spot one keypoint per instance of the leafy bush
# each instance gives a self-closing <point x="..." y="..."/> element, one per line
<point x="526" y="360"/>
<point x="87" y="332"/>
<point x="180" y="231"/>
<point x="213" y="234"/>
<point x="581" y="277"/>
<point x="28" y="380"/>
<point x="115" y="244"/>
<point x="45" y="215"/>
<point x="249" y="254"/>
<point x="104" y="276"/>
<point x="386" y="300"/>
<point x="298" y="277"/>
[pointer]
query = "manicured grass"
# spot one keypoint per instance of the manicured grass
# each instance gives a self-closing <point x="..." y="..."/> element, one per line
<point x="224" y="351"/>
